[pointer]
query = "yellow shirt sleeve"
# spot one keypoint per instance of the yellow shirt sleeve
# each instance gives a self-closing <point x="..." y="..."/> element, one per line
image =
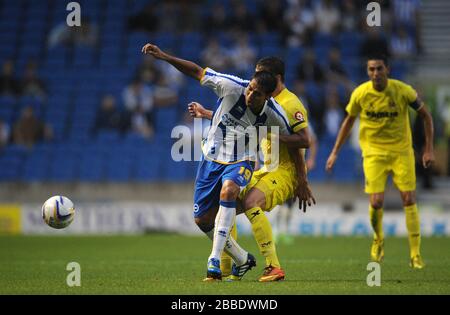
<point x="411" y="94"/>
<point x="354" y="107"/>
<point x="297" y="115"/>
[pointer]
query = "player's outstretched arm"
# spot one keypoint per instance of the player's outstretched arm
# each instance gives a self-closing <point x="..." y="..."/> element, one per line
<point x="428" y="153"/>
<point x="187" y="67"/>
<point x="196" y="110"/>
<point x="298" y="140"/>
<point x="346" y="127"/>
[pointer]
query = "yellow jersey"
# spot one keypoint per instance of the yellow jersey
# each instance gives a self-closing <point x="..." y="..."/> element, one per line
<point x="298" y="119"/>
<point x="384" y="120"/>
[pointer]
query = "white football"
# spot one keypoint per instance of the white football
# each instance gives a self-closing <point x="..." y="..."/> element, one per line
<point x="58" y="212"/>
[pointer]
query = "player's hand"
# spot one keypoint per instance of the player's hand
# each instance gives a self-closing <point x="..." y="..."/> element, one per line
<point x="330" y="162"/>
<point x="305" y="196"/>
<point x="153" y="50"/>
<point x="427" y="159"/>
<point x="196" y="110"/>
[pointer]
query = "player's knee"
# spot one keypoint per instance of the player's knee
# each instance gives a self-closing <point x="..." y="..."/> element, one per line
<point x="229" y="192"/>
<point x="377" y="202"/>
<point x="408" y="199"/>
<point x="204" y="224"/>
<point x="253" y="201"/>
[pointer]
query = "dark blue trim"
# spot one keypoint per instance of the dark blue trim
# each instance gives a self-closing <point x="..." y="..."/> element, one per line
<point x="238" y="109"/>
<point x="416" y="104"/>
<point x="61" y="217"/>
<point x="261" y="119"/>
<point x="228" y="204"/>
<point x="296" y="124"/>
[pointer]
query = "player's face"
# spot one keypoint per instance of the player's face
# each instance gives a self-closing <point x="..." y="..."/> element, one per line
<point x="255" y="96"/>
<point x="378" y="73"/>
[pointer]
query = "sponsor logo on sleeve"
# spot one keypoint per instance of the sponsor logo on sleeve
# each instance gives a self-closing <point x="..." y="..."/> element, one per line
<point x="299" y="116"/>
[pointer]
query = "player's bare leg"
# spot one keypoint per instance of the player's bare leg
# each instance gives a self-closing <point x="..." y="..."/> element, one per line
<point x="376" y="220"/>
<point x="413" y="227"/>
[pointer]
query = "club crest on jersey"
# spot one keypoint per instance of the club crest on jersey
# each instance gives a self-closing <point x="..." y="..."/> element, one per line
<point x="299" y="116"/>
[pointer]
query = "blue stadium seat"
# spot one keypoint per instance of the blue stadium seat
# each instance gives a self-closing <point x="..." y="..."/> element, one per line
<point x="6" y="114"/>
<point x="148" y="167"/>
<point x="349" y="44"/>
<point x="166" y="119"/>
<point x="270" y="50"/>
<point x="398" y="69"/>
<point x="7" y="101"/>
<point x="36" y="166"/>
<point x="91" y="167"/>
<point x="270" y="39"/>
<point x="83" y="57"/>
<point x="119" y="167"/>
<point x="314" y="91"/>
<point x="138" y="5"/>
<point x="56" y="57"/>
<point x="63" y="168"/>
<point x="108" y="137"/>
<point x="138" y="39"/>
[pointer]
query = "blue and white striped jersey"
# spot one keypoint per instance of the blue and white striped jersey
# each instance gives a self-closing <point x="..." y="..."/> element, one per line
<point x="233" y="134"/>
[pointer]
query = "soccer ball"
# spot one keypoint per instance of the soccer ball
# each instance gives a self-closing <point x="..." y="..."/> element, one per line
<point x="58" y="212"/>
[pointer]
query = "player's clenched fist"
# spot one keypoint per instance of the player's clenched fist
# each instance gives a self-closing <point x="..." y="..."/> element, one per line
<point x="196" y="109"/>
<point x="153" y="50"/>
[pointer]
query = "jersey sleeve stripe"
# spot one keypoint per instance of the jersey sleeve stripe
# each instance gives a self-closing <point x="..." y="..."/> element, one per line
<point x="296" y="124"/>
<point x="416" y="105"/>
<point x="236" y="80"/>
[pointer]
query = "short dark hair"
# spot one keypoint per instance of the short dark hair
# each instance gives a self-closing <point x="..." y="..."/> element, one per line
<point x="266" y="80"/>
<point x="379" y="56"/>
<point x="272" y="64"/>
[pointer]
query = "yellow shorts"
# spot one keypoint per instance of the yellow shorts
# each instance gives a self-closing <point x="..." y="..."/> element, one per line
<point x="378" y="167"/>
<point x="278" y="186"/>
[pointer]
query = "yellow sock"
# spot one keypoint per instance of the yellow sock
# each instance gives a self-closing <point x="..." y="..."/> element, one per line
<point x="376" y="220"/>
<point x="413" y="226"/>
<point x="262" y="231"/>
<point x="225" y="259"/>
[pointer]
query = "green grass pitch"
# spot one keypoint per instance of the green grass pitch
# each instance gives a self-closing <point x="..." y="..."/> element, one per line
<point x="175" y="264"/>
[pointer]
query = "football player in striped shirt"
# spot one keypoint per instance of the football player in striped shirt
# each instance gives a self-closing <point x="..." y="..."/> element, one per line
<point x="228" y="159"/>
<point x="271" y="187"/>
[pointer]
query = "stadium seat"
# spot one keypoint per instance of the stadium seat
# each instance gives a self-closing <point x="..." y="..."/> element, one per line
<point x="148" y="168"/>
<point x="63" y="168"/>
<point x="119" y="168"/>
<point x="35" y="167"/>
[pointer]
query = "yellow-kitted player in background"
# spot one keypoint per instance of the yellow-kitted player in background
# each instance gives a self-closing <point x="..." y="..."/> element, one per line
<point x="385" y="138"/>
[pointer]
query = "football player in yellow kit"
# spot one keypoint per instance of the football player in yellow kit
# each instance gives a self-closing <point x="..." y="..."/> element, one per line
<point x="385" y="138"/>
